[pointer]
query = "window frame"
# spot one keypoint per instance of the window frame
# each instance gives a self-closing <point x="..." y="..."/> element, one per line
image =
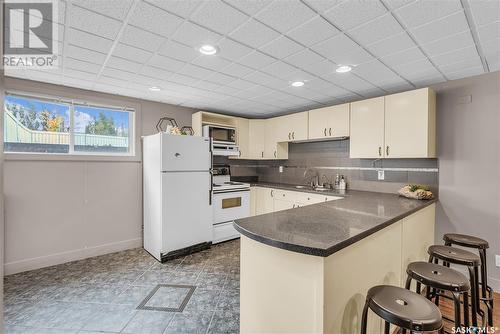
<point x="72" y="155"/>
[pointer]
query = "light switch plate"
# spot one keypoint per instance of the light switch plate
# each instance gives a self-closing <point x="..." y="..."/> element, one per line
<point x="281" y="169"/>
<point x="497" y="260"/>
<point x="381" y="175"/>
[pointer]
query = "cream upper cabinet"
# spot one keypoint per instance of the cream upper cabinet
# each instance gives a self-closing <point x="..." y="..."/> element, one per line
<point x="274" y="147"/>
<point x="410" y="124"/>
<point x="243" y="140"/>
<point x="367" y="128"/>
<point x="329" y="122"/>
<point x="296" y="126"/>
<point x="257" y="133"/>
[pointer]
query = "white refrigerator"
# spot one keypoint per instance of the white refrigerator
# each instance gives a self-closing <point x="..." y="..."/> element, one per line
<point x="177" y="183"/>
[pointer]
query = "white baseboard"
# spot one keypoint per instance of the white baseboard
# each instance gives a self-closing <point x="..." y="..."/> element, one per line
<point x="73" y="255"/>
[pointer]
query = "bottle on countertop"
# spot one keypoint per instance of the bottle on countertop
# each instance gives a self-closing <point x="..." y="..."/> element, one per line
<point x="342" y="183"/>
<point x="337" y="182"/>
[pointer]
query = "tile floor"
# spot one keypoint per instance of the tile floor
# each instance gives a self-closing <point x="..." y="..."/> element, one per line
<point x="102" y="294"/>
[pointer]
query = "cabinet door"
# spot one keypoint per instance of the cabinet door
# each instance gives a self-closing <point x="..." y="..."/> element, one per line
<point x="410" y="124"/>
<point x="283" y="204"/>
<point x="367" y="128"/>
<point x="329" y="122"/>
<point x="264" y="200"/>
<point x="242" y="130"/>
<point x="257" y="133"/>
<point x="270" y="139"/>
<point x="297" y="126"/>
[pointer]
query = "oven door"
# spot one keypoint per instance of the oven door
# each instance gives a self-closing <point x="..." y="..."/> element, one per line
<point x="231" y="205"/>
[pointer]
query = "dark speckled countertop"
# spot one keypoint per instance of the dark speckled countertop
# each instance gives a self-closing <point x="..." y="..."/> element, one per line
<point x="325" y="228"/>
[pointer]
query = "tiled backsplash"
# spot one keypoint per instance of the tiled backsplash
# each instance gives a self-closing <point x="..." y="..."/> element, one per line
<point x="328" y="158"/>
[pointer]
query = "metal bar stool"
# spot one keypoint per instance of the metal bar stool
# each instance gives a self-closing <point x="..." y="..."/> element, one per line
<point x="438" y="278"/>
<point x="461" y="257"/>
<point x="403" y="308"/>
<point x="481" y="245"/>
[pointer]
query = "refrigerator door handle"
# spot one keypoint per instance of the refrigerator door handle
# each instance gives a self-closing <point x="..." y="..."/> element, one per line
<point x="211" y="191"/>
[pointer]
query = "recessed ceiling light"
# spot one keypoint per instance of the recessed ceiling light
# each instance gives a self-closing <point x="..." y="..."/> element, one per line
<point x="343" y="69"/>
<point x="208" y="49"/>
<point x="298" y="83"/>
<point x="155" y="89"/>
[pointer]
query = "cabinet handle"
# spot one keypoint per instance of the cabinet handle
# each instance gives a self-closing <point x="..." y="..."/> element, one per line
<point x="239" y="154"/>
<point x="387" y="150"/>
<point x="380" y="151"/>
<point x="330" y="131"/>
<point x="275" y="154"/>
<point x="324" y="131"/>
<point x="293" y="135"/>
<point x="272" y="195"/>
<point x="289" y="136"/>
<point x="262" y="154"/>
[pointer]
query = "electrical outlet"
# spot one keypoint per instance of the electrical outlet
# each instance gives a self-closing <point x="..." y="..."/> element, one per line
<point x="497" y="260"/>
<point x="281" y="169"/>
<point x="381" y="175"/>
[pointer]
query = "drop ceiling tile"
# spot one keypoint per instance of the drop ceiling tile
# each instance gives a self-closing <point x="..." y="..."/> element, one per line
<point x="178" y="51"/>
<point x="281" y="47"/>
<point x="77" y="83"/>
<point x="403" y="57"/>
<point x="214" y="63"/>
<point x="140" y="38"/>
<point x="485" y="12"/>
<point x="489" y="31"/>
<point x="377" y="73"/>
<point x="342" y="50"/>
<point x="237" y="70"/>
<point x="322" y="6"/>
<point x="320" y="68"/>
<point x="196" y="71"/>
<point x="181" y="8"/>
<point x="421" y="66"/>
<point x="254" y="34"/>
<point x="166" y="63"/>
<point x="450" y="43"/>
<point x="131" y="53"/>
<point x="326" y="88"/>
<point x="218" y="16"/>
<point x="313" y="31"/>
<point x="264" y="79"/>
<point x="117" y="74"/>
<point x="155" y="72"/>
<point x="79" y="75"/>
<point x="155" y="20"/>
<point x="285" y="15"/>
<point x="249" y="7"/>
<point x="256" y="60"/>
<point x="220" y="78"/>
<point x="123" y="64"/>
<point x="232" y="50"/>
<point x="449" y="25"/>
<point x="241" y="84"/>
<point x="395" y="4"/>
<point x="183" y="79"/>
<point x="89" y="41"/>
<point x="304" y="58"/>
<point x="455" y="56"/>
<point x="85" y="54"/>
<point x="493" y="62"/>
<point x="195" y="36"/>
<point x="465" y="63"/>
<point x="391" y="45"/>
<point x="81" y="65"/>
<point x="94" y="23"/>
<point x="349" y="14"/>
<point x="350" y="82"/>
<point x="117" y="9"/>
<point x="225" y="89"/>
<point x="468" y="72"/>
<point x="491" y="47"/>
<point x="299" y="76"/>
<point x="422" y="12"/>
<point x="279" y="69"/>
<point x="378" y="29"/>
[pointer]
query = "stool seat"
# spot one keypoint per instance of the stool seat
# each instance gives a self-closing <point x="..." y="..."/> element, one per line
<point x="465" y="240"/>
<point x="438" y="276"/>
<point x="404" y="308"/>
<point x="454" y="255"/>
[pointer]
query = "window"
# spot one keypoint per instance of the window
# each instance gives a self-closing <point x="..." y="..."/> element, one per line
<point x="43" y="125"/>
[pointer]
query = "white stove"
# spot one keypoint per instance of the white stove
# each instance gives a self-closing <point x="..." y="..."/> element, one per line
<point x="230" y="201"/>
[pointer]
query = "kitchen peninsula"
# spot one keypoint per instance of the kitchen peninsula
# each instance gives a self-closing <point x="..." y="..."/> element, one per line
<point x="307" y="269"/>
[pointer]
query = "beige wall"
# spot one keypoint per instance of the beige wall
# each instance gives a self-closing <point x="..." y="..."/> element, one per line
<point x="469" y="162"/>
<point x="64" y="209"/>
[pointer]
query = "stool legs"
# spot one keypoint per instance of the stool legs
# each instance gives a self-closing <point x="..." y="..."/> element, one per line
<point x="364" y="319"/>
<point x="456" y="302"/>
<point x="474" y="296"/>
<point x="387" y="328"/>
<point x="485" y="289"/>
<point x="466" y="310"/>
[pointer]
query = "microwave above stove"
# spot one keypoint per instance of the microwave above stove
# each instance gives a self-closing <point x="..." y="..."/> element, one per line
<point x="221" y="135"/>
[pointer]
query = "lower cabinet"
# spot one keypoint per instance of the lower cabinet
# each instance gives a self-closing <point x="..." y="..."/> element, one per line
<point x="265" y="200"/>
